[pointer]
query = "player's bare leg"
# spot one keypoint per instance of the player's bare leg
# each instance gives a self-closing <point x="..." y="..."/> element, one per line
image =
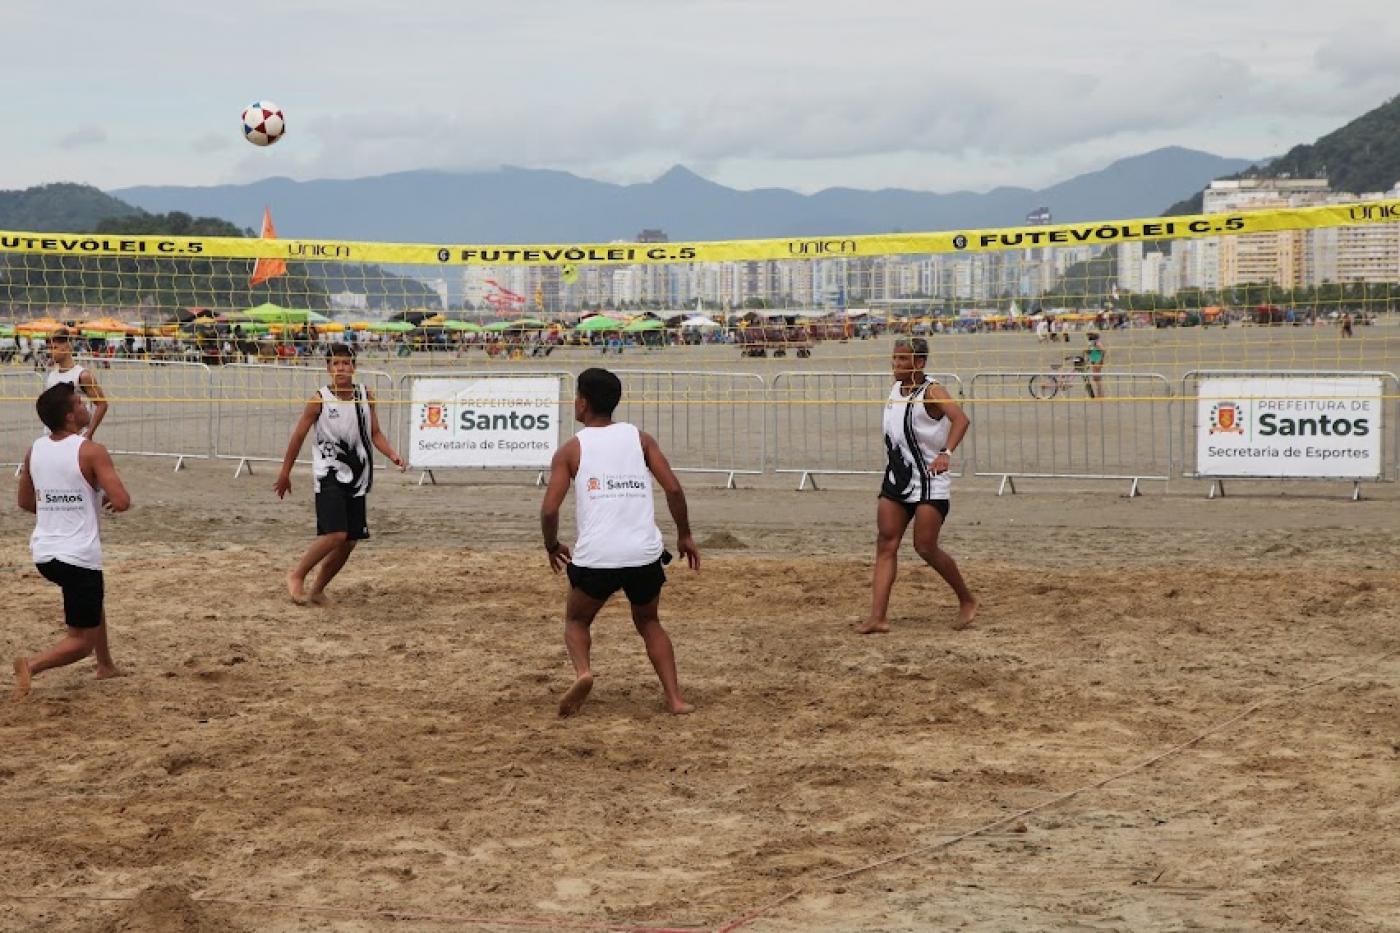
<point x="106" y="667"/>
<point x="890" y="522"/>
<point x="319" y="550"/>
<point x="22" y="680"/>
<point x="662" y="654"/>
<point x="927" y="525"/>
<point x="329" y="567"/>
<point x="74" y="646"/>
<point x="579" y="612"/>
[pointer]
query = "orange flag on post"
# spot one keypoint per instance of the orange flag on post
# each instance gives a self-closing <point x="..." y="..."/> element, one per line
<point x="265" y="269"/>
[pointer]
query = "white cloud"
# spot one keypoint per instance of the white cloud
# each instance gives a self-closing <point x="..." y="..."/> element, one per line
<point x="82" y="138"/>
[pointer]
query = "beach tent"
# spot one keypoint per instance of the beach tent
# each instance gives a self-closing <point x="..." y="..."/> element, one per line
<point x="596" y="323"/>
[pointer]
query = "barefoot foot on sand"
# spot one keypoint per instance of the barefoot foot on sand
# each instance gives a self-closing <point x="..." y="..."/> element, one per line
<point x="679" y="708"/>
<point x="21" y="679"/>
<point x="106" y="673"/>
<point x="575" y="695"/>
<point x="317" y="598"/>
<point x="296" y="589"/>
<point x="966" y="613"/>
<point x="872" y="627"/>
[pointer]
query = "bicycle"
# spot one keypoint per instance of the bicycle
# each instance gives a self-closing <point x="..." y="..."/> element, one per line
<point x="1048" y="385"/>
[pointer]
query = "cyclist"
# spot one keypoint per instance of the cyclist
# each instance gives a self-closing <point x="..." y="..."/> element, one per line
<point x="1095" y="356"/>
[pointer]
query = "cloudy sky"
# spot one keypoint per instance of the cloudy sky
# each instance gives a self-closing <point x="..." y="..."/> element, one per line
<point x="751" y="93"/>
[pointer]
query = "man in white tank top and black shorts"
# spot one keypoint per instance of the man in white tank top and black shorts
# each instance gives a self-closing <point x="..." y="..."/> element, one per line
<point x="610" y="466"/>
<point x="922" y="427"/>
<point x="66" y="369"/>
<point x="346" y="425"/>
<point x="64" y="481"/>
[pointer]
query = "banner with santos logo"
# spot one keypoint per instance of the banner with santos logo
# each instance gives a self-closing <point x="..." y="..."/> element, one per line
<point x="1285" y="426"/>
<point x="465" y="422"/>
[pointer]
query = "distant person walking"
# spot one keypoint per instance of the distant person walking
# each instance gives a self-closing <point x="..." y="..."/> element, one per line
<point x="1346" y="324"/>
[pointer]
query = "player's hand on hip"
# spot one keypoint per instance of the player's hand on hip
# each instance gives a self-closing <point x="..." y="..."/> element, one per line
<point x="559" y="557"/>
<point x="688" y="550"/>
<point x="282" y="486"/>
<point x="941" y="463"/>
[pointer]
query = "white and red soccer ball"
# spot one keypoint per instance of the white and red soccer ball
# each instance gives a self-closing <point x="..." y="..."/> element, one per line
<point x="263" y="123"/>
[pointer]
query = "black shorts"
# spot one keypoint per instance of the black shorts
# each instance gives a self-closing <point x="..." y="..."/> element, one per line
<point x="641" y="584"/>
<point x="339" y="509"/>
<point x="82" y="592"/>
<point x="942" y="505"/>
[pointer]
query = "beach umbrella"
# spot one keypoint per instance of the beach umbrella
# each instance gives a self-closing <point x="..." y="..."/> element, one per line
<point x="331" y="327"/>
<point x="525" y="323"/>
<point x="698" y="320"/>
<point x="7" y="330"/>
<point x="642" y="324"/>
<point x="43" y="325"/>
<point x="271" y="313"/>
<point x="598" y="322"/>
<point x="467" y="326"/>
<point x="390" y="327"/>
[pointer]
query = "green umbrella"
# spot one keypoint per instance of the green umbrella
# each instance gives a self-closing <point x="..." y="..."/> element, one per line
<point x="599" y="322"/>
<point x="276" y="314"/>
<point x="460" y="325"/>
<point x="525" y="323"/>
<point x="643" y="324"/>
<point x="390" y="327"/>
<point x="7" y="330"/>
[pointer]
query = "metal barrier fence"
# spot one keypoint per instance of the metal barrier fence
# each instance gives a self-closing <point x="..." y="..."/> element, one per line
<point x="156" y="409"/>
<point x="256" y="405"/>
<point x="706" y="422"/>
<point x="19" y="425"/>
<point x="830" y="423"/>
<point x="1123" y="434"/>
<point x="1390" y="418"/>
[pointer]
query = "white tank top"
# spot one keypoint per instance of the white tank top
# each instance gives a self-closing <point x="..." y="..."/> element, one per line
<point x="66" y="526"/>
<point x="55" y="376"/>
<point x="612" y="500"/>
<point x="340" y="445"/>
<point x="912" y="440"/>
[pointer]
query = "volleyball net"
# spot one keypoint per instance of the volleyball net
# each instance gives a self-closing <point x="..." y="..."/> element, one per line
<point x="1295" y="288"/>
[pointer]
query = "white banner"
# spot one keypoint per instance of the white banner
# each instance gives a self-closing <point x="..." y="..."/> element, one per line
<point x="1286" y="426"/>
<point x="488" y="422"/>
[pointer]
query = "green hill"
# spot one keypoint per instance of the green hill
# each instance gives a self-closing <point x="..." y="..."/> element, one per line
<point x="62" y="207"/>
<point x="1362" y="156"/>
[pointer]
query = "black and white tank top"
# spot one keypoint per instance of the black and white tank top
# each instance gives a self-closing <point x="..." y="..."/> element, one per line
<point x="341" y="450"/>
<point x="912" y="440"/>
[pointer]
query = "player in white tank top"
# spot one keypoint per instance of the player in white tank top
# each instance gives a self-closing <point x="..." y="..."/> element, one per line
<point x="63" y="482"/>
<point x="66" y="369"/>
<point x="922" y="427"/>
<point x="610" y="467"/>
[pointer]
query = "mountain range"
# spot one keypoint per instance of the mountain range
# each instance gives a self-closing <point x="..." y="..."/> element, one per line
<point x="515" y="205"/>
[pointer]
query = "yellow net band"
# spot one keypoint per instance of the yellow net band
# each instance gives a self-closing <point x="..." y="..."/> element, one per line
<point x="1103" y="233"/>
